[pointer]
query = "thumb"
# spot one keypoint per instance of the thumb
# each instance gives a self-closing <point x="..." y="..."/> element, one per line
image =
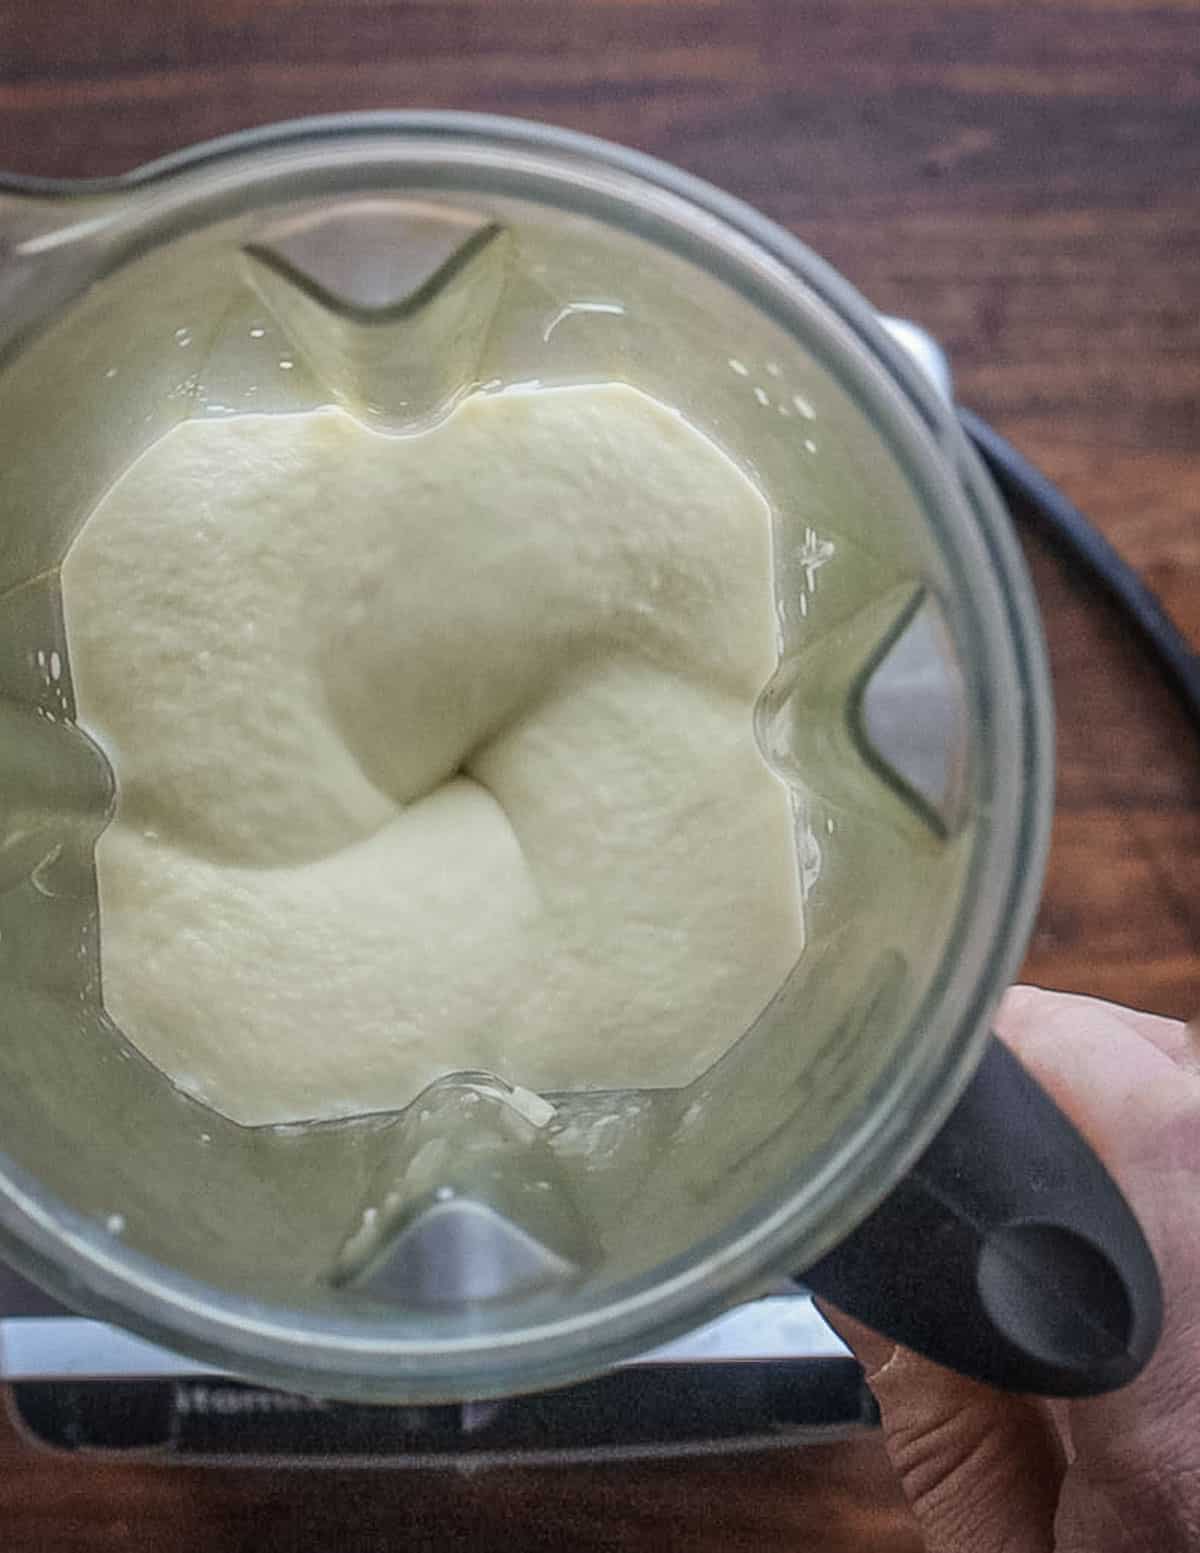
<point x="980" y="1468"/>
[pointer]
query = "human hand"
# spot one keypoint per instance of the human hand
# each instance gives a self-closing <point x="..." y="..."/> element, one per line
<point x="987" y="1472"/>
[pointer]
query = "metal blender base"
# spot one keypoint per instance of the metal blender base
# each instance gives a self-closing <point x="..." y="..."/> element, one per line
<point x="770" y="1373"/>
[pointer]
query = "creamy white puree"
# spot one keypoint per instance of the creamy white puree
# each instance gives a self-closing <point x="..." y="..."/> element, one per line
<point x="434" y="752"/>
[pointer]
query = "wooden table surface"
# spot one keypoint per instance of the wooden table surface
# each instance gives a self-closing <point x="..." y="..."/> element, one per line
<point x="1024" y="179"/>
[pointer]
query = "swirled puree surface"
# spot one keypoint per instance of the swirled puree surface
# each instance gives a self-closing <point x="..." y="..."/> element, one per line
<point x="434" y="752"/>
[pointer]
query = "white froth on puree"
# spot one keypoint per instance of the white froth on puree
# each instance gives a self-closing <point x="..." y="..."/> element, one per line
<point x="434" y="752"/>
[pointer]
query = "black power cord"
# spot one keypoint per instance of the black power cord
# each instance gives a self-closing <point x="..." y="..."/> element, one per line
<point x="1028" y="491"/>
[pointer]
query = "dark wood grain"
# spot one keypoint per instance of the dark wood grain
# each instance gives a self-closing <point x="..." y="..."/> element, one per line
<point x="1021" y="178"/>
<point x="828" y="1499"/>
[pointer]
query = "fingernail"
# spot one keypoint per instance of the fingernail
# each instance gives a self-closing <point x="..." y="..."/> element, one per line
<point x="870" y="1348"/>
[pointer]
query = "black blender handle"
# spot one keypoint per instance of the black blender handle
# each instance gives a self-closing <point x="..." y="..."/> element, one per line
<point x="1008" y="1253"/>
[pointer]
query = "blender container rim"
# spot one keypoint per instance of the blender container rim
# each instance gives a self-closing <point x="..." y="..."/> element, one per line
<point x="71" y="1256"/>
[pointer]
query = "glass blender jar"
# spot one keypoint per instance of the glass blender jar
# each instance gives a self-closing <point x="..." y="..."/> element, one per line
<point x="865" y="1132"/>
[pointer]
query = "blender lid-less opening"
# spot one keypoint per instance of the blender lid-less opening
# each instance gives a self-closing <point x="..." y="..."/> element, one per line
<point x="994" y="620"/>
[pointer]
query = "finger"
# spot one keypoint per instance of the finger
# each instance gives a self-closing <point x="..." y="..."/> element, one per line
<point x="981" y="1469"/>
<point x="1115" y="1075"/>
<point x="1025" y="1005"/>
<point x="872" y="1350"/>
